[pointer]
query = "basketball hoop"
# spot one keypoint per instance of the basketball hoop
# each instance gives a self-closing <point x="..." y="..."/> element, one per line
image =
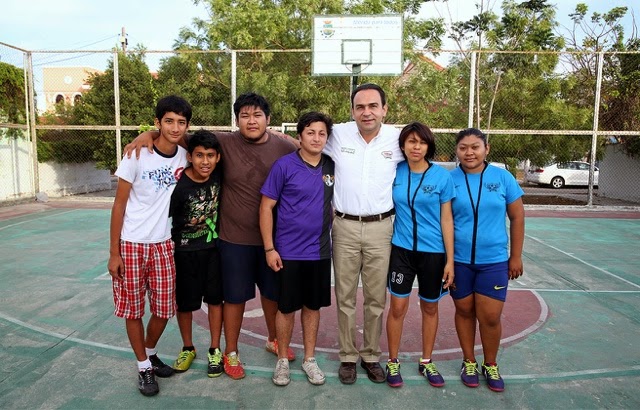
<point x="356" y="52"/>
<point x="347" y="45"/>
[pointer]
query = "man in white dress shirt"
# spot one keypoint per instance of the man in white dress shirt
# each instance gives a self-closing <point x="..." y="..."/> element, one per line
<point x="365" y="153"/>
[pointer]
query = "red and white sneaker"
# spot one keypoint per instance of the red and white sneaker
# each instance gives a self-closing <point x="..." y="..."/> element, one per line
<point x="273" y="348"/>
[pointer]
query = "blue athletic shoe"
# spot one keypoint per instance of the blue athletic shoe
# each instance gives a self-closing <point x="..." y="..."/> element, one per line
<point x="394" y="379"/>
<point x="491" y="373"/>
<point x="430" y="371"/>
<point x="469" y="374"/>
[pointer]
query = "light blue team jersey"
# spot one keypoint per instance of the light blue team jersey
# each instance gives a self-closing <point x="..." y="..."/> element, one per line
<point x="499" y="188"/>
<point x="430" y="192"/>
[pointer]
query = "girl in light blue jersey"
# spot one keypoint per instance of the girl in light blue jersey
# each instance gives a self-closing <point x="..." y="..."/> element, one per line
<point x="422" y="246"/>
<point x="484" y="261"/>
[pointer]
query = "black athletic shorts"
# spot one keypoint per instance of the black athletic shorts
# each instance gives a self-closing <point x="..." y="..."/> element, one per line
<point x="405" y="265"/>
<point x="304" y="283"/>
<point x="198" y="279"/>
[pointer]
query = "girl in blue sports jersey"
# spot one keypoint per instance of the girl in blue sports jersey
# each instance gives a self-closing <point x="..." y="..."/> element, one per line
<point x="484" y="261"/>
<point x="421" y="246"/>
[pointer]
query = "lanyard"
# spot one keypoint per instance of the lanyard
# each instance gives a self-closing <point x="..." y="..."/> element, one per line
<point x="411" y="201"/>
<point x="474" y="207"/>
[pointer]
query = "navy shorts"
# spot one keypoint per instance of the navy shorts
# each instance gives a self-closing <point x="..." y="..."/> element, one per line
<point x="490" y="279"/>
<point x="304" y="283"/>
<point x="244" y="267"/>
<point x="406" y="265"/>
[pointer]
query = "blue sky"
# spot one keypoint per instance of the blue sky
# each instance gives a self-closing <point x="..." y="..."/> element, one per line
<point x="94" y="24"/>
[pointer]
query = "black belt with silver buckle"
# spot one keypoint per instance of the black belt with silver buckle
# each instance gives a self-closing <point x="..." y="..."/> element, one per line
<point x="368" y="218"/>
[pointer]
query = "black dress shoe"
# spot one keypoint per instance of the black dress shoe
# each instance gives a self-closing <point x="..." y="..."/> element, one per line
<point x="347" y="373"/>
<point x="374" y="371"/>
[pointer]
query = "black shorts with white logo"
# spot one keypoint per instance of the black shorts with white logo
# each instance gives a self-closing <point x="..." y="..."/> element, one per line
<point x="406" y="265"/>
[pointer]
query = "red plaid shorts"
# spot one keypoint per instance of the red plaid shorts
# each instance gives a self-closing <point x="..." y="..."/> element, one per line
<point x="147" y="267"/>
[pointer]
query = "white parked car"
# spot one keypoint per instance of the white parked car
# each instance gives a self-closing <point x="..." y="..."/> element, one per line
<point x="561" y="174"/>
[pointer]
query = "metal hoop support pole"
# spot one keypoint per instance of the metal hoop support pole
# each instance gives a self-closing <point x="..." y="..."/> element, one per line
<point x="356" y="69"/>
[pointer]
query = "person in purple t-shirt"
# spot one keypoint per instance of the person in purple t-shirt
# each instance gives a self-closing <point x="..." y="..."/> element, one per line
<point x="300" y="188"/>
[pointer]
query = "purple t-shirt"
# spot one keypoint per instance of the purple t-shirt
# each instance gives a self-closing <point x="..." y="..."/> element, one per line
<point x="303" y="213"/>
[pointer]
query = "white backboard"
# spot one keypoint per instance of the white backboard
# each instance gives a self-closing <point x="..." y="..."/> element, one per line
<point x="374" y="42"/>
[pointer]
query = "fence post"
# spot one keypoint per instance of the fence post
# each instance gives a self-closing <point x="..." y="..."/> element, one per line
<point x="116" y="98"/>
<point x="233" y="88"/>
<point x="596" y="117"/>
<point x="472" y="88"/>
<point x="32" y="123"/>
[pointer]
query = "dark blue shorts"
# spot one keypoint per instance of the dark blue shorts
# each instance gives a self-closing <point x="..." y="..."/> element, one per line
<point x="491" y="280"/>
<point x="244" y="267"/>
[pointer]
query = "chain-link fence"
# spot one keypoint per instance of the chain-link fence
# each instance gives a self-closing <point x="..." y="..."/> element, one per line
<point x="65" y="115"/>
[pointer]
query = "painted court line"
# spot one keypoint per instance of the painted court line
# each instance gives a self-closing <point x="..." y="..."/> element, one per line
<point x="62" y="336"/>
<point x="584" y="262"/>
<point x="563" y="375"/>
<point x="36" y="219"/>
<point x="544" y="314"/>
<point x="606" y="372"/>
<point x="577" y="290"/>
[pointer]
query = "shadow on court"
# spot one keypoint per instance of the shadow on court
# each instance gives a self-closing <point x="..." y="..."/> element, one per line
<point x="571" y="325"/>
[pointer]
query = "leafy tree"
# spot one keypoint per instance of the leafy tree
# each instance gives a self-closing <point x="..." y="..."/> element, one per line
<point x="622" y="109"/>
<point x="199" y="79"/>
<point x="604" y="33"/>
<point x="137" y="104"/>
<point x="283" y="77"/>
<point x="523" y="90"/>
<point x="60" y="145"/>
<point x="526" y="26"/>
<point x="433" y="95"/>
<point x="12" y="96"/>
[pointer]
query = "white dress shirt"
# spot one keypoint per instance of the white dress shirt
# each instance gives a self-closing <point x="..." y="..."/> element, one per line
<point x="364" y="173"/>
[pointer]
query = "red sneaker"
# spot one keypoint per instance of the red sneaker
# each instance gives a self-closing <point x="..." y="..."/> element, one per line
<point x="233" y="366"/>
<point x="273" y="348"/>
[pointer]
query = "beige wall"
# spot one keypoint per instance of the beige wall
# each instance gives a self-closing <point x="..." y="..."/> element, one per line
<point x="66" y="81"/>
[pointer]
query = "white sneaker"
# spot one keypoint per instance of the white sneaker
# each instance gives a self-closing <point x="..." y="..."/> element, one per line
<point x="281" y="373"/>
<point x="314" y="374"/>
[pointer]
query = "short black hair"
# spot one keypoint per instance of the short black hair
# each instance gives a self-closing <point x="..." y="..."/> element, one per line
<point x="369" y="86"/>
<point x="424" y="133"/>
<point x="251" y="100"/>
<point x="173" y="103"/>
<point x="314" y="116"/>
<point x="205" y="139"/>
<point x="472" y="131"/>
